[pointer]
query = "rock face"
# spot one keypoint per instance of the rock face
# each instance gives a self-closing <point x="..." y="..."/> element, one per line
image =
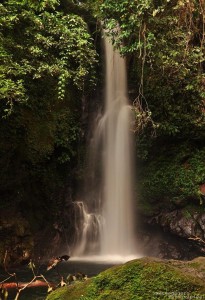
<point x="15" y="238"/>
<point x="185" y="223"/>
<point x="22" y="238"/>
<point x="160" y="243"/>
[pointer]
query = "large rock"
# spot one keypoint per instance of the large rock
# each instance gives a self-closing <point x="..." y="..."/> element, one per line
<point x="146" y="278"/>
<point x="162" y="244"/>
<point x="188" y="223"/>
<point x="183" y="223"/>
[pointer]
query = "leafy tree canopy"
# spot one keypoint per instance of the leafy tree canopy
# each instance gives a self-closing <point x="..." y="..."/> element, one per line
<point x="39" y="42"/>
<point x="164" y="41"/>
<point x="48" y="63"/>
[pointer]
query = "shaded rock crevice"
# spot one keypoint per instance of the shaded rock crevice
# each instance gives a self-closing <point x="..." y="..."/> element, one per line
<point x="186" y="223"/>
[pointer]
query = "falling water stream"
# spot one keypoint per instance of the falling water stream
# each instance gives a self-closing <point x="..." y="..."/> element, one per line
<point x="118" y="230"/>
<point x="107" y="228"/>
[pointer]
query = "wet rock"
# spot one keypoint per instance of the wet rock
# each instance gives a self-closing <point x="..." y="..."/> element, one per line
<point x="184" y="223"/>
<point x="201" y="221"/>
<point x="160" y="243"/>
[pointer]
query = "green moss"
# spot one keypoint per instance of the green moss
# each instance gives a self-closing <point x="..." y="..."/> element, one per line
<point x="145" y="278"/>
<point x="148" y="209"/>
<point x="74" y="291"/>
<point x="198" y="264"/>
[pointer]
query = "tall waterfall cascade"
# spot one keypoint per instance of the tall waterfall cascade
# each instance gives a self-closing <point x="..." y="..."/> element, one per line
<point x="107" y="224"/>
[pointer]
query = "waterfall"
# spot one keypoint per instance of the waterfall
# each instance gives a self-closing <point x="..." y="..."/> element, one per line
<point x="110" y="201"/>
<point x="118" y="230"/>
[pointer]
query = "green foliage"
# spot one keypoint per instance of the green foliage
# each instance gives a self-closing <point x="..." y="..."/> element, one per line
<point x="41" y="44"/>
<point x="173" y="175"/>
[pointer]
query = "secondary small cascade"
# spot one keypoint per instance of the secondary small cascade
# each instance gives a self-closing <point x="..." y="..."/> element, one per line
<point x="108" y="216"/>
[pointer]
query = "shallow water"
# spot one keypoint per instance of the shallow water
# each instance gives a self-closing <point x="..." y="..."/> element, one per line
<point x="89" y="268"/>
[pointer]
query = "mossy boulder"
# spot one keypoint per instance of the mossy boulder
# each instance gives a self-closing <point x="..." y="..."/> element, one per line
<point x="145" y="278"/>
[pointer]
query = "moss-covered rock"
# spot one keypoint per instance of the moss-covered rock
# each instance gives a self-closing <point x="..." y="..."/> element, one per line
<point x="146" y="278"/>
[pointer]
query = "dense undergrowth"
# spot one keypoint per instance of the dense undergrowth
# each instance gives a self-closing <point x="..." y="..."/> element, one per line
<point x="172" y="177"/>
